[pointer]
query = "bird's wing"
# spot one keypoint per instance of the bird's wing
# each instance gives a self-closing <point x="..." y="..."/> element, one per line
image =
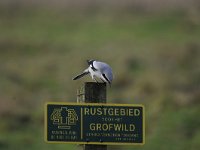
<point x="81" y="75"/>
<point x="106" y="79"/>
<point x="99" y="65"/>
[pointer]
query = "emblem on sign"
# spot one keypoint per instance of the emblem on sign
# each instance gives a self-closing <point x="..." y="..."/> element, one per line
<point x="64" y="117"/>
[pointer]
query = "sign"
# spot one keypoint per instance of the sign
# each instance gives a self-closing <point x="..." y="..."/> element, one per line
<point x="94" y="123"/>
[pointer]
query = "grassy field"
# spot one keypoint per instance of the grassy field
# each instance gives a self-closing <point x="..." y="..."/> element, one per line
<point x="154" y="56"/>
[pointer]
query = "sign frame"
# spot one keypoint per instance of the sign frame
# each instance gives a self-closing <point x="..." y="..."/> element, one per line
<point x="92" y="104"/>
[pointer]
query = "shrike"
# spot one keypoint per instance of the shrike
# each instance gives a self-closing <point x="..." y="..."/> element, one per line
<point x="97" y="69"/>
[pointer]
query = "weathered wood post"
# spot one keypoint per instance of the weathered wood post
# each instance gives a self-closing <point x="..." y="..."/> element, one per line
<point x="91" y="92"/>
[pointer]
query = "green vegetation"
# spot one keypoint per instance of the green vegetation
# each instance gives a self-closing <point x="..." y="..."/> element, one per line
<point x="154" y="56"/>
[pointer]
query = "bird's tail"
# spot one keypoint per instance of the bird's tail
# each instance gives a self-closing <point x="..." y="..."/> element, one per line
<point x="81" y="75"/>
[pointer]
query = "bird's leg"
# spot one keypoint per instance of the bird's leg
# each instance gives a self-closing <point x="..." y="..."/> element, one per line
<point x="95" y="80"/>
<point x="102" y="80"/>
<point x="93" y="77"/>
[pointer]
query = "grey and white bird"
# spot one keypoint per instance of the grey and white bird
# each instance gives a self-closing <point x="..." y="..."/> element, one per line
<point x="99" y="70"/>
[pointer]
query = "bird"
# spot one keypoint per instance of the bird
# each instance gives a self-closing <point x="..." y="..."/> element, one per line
<point x="97" y="69"/>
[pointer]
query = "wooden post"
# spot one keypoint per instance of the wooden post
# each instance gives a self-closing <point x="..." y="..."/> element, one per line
<point x="92" y="92"/>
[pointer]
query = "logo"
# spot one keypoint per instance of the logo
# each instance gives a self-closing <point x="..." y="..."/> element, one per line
<point x="64" y="117"/>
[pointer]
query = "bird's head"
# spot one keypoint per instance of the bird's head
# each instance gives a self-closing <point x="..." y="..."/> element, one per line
<point x="90" y="61"/>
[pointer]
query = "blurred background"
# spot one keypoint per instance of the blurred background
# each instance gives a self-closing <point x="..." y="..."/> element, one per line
<point x="153" y="47"/>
